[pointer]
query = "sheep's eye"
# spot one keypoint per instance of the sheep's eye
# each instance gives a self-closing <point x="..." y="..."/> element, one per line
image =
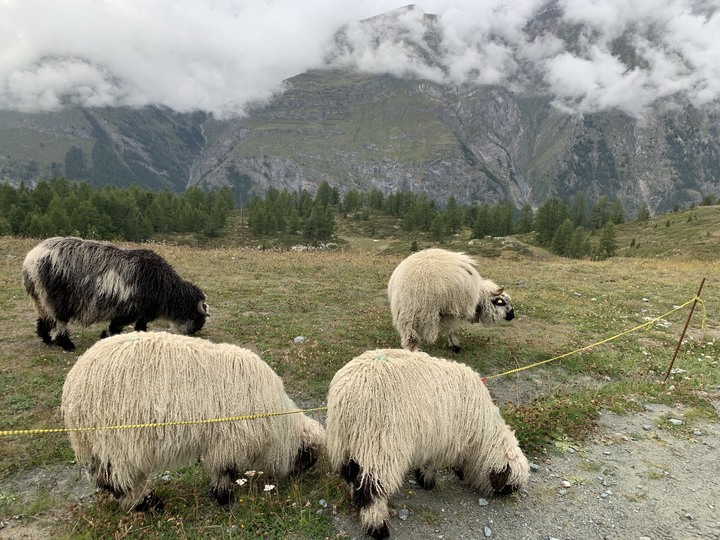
<point x="499" y="302"/>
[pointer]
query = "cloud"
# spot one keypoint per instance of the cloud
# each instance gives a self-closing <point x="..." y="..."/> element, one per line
<point x="225" y="55"/>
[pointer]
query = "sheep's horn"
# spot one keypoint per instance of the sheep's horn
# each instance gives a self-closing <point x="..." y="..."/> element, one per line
<point x="203" y="308"/>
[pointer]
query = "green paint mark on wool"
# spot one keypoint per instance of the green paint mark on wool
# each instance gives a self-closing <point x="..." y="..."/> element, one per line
<point x="380" y="357"/>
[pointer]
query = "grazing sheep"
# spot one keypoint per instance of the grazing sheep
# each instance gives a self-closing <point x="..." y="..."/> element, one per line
<point x="437" y="289"/>
<point x="158" y="377"/>
<point x="392" y="410"/>
<point x="71" y="279"/>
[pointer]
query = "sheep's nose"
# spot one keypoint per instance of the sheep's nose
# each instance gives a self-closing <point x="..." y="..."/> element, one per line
<point x="510" y="315"/>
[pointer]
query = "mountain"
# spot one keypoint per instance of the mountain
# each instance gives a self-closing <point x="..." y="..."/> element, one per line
<point x="408" y="127"/>
<point x="154" y="147"/>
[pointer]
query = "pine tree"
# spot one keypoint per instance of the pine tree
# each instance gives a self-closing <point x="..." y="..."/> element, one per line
<point x="482" y="226"/>
<point x="58" y="216"/>
<point x="527" y="219"/>
<point x="618" y="212"/>
<point x="453" y="216"/>
<point x="579" y="244"/>
<point x="578" y="210"/>
<point x="600" y="214"/>
<point x="643" y="213"/>
<point x="561" y="239"/>
<point x="548" y="219"/>
<point x="607" y="246"/>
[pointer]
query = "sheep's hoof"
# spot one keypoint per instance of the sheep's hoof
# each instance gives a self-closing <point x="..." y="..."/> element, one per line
<point x="223" y="496"/>
<point x="455" y="348"/>
<point x="379" y="533"/>
<point x="150" y="503"/>
<point x="422" y="481"/>
<point x="64" y="341"/>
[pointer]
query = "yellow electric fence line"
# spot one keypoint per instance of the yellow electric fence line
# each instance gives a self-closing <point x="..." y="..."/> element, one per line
<point x="612" y="338"/>
<point x="694" y="300"/>
<point x="159" y="424"/>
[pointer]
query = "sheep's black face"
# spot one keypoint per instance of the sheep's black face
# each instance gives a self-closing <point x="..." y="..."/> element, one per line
<point x="503" y="305"/>
<point x="195" y="319"/>
<point x="305" y="458"/>
<point x="195" y="324"/>
<point x="499" y="481"/>
<point x="497" y="309"/>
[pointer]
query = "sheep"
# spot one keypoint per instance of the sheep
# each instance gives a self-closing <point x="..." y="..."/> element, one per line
<point x="71" y="279"/>
<point x="438" y="289"/>
<point x="160" y="377"/>
<point x="392" y="410"/>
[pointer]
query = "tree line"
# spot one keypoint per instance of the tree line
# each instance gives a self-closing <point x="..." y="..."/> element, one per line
<point x="59" y="207"/>
<point x="562" y="225"/>
<point x="62" y="207"/>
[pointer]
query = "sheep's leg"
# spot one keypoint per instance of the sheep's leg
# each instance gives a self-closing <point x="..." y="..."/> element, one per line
<point x="365" y="492"/>
<point x="149" y="502"/>
<point x="61" y="336"/>
<point x="137" y="498"/>
<point x="44" y="324"/>
<point x="409" y="342"/>
<point x="450" y="324"/>
<point x="453" y="342"/>
<point x="222" y="485"/>
<point x="44" y="327"/>
<point x="374" y="518"/>
<point x="425" y="477"/>
<point x="116" y="326"/>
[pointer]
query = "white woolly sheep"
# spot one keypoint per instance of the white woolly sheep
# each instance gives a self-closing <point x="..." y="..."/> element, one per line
<point x="392" y="410"/>
<point x="438" y="289"/>
<point x="158" y="377"/>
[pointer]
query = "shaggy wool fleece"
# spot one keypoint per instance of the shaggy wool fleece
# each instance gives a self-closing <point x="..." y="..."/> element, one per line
<point x="155" y="377"/>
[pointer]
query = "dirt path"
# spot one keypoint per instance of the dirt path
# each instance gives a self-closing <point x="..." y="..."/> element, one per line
<point x="634" y="480"/>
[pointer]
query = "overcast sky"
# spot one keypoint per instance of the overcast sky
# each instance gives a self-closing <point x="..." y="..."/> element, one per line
<point x="220" y="55"/>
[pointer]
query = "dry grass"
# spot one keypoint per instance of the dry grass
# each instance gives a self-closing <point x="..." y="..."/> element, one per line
<point x="337" y="301"/>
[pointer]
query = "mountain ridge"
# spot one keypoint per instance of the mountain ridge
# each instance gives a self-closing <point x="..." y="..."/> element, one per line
<point x="424" y="123"/>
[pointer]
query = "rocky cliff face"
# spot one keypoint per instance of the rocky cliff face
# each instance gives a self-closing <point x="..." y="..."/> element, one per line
<point x="480" y="144"/>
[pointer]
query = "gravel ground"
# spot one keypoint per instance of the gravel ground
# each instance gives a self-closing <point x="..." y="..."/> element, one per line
<point x="632" y="481"/>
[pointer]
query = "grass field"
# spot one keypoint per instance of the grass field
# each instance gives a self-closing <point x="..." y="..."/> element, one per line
<point x="336" y="300"/>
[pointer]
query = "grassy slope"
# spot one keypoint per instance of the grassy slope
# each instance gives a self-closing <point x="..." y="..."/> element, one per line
<point x="383" y="126"/>
<point x="336" y="300"/>
<point x="47" y="140"/>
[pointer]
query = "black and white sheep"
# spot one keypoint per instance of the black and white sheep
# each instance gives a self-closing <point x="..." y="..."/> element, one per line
<point x="84" y="281"/>
<point x="158" y="377"/>
<point x="438" y="289"/>
<point x="390" y="411"/>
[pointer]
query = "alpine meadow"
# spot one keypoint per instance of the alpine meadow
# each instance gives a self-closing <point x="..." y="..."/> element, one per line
<point x="590" y="334"/>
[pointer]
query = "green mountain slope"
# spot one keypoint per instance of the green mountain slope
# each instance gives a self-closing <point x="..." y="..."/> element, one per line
<point x="153" y="147"/>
